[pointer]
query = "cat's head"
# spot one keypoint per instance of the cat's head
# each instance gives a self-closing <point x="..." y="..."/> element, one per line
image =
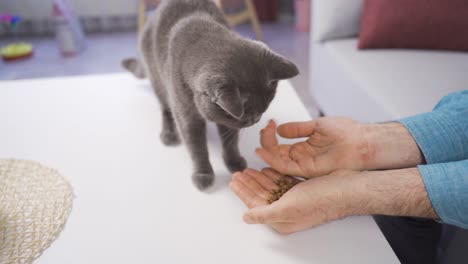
<point x="239" y="86"/>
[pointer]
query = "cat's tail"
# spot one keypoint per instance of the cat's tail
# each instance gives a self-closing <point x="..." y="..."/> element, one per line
<point x="134" y="66"/>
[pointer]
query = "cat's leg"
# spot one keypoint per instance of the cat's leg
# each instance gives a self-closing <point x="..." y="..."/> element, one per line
<point x="231" y="155"/>
<point x="193" y="130"/>
<point x="169" y="134"/>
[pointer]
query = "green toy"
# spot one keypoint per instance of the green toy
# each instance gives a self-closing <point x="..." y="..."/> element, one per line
<point x="14" y="51"/>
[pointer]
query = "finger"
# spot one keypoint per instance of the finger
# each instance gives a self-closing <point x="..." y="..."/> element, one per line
<point x="301" y="151"/>
<point x="272" y="174"/>
<point x="283" y="166"/>
<point x="263" y="180"/>
<point x="297" y="129"/>
<point x="247" y="179"/>
<point x="309" y="160"/>
<point x="289" y="228"/>
<point x="268" y="214"/>
<point x="249" y="198"/>
<point x="268" y="135"/>
<point x="322" y="165"/>
<point x="276" y="176"/>
<point x="275" y="161"/>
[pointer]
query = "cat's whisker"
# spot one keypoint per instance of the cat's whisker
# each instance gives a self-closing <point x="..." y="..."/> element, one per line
<point x="227" y="133"/>
<point x="230" y="137"/>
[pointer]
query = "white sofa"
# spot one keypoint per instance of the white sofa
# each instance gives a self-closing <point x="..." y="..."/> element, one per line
<point x="378" y="85"/>
<point x="375" y="85"/>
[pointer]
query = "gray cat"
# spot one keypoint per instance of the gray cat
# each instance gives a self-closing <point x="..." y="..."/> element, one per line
<point x="202" y="70"/>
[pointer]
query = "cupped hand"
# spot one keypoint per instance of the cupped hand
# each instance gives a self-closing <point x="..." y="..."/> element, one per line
<point x="309" y="203"/>
<point x="331" y="144"/>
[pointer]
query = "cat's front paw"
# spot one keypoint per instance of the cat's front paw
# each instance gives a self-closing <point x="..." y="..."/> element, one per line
<point x="170" y="138"/>
<point x="202" y="180"/>
<point x="235" y="164"/>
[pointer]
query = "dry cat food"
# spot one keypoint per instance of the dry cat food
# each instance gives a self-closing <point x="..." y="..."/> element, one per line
<point x="284" y="186"/>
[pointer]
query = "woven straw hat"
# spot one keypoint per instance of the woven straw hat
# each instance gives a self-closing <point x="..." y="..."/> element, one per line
<point x="35" y="202"/>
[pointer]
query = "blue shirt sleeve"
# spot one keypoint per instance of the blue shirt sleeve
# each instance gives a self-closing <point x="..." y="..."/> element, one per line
<point x="447" y="188"/>
<point x="442" y="135"/>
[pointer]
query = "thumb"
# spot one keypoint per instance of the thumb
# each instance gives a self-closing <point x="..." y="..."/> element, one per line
<point x="297" y="129"/>
<point x="267" y="214"/>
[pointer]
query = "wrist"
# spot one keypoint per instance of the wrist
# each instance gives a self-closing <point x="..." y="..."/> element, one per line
<point x="356" y="196"/>
<point x="354" y="200"/>
<point x="391" y="146"/>
<point x="392" y="192"/>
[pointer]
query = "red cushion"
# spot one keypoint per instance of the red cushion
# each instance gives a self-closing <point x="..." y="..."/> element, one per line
<point x="418" y="24"/>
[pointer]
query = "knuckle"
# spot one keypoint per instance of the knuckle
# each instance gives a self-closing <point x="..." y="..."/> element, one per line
<point x="257" y="218"/>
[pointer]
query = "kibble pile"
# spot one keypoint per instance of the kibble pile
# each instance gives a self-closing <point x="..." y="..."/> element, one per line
<point x="284" y="186"/>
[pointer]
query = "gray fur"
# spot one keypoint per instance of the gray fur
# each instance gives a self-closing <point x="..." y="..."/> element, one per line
<point x="201" y="70"/>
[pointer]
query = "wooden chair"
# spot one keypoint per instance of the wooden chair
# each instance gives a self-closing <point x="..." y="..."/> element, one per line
<point x="142" y="12"/>
<point x="249" y="14"/>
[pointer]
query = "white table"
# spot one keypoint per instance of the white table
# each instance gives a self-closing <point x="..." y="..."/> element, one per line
<point x="135" y="202"/>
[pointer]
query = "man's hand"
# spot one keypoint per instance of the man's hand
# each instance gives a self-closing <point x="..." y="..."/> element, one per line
<point x="323" y="199"/>
<point x="331" y="144"/>
<point x="335" y="144"/>
<point x="307" y="204"/>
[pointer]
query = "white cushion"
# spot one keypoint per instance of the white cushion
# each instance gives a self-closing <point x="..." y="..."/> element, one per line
<point x="334" y="19"/>
<point x="378" y="85"/>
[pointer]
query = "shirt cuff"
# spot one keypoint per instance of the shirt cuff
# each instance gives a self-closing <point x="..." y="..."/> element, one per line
<point x="439" y="139"/>
<point x="446" y="186"/>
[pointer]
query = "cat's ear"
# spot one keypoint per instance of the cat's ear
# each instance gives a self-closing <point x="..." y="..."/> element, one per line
<point x="281" y="68"/>
<point x="229" y="99"/>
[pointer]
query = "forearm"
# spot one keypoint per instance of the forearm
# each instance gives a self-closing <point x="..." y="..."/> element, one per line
<point x="435" y="137"/>
<point x="393" y="192"/>
<point x="391" y="146"/>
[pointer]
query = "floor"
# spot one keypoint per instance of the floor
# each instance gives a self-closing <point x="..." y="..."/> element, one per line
<point x="104" y="52"/>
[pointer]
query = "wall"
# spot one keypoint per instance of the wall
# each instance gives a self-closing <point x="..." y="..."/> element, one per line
<point x="39" y="9"/>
